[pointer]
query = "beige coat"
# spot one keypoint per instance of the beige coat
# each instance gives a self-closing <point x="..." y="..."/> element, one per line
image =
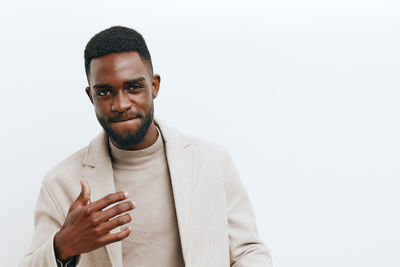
<point x="215" y="219"/>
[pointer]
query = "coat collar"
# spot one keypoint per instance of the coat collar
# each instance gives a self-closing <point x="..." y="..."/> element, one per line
<point x="180" y="159"/>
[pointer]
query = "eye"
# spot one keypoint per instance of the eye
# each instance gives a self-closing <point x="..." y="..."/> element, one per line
<point x="103" y="92"/>
<point x="134" y="87"/>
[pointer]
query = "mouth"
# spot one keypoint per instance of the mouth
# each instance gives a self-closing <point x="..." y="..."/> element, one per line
<point x="125" y="119"/>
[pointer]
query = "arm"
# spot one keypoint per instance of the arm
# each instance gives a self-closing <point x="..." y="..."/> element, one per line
<point x="48" y="221"/>
<point x="246" y="249"/>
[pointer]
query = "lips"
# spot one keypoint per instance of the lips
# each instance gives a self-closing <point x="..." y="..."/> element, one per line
<point x="124" y="118"/>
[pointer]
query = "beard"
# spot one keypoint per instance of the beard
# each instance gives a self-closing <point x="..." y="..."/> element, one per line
<point x="132" y="137"/>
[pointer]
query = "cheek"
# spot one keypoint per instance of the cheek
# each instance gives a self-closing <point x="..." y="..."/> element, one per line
<point x="143" y="100"/>
<point x="101" y="109"/>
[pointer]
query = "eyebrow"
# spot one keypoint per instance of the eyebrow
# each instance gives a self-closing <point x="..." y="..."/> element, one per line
<point x="102" y="86"/>
<point x="107" y="86"/>
<point x="134" y="81"/>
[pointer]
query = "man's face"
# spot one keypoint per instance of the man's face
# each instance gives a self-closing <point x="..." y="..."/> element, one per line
<point x="122" y="90"/>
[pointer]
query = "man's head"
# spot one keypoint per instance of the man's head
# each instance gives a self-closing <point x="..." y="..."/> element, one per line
<point x="122" y="85"/>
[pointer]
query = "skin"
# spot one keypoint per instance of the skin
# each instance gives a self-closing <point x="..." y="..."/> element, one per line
<point x="121" y="89"/>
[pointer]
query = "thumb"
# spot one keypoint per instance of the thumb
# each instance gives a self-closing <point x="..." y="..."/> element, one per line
<point x="84" y="196"/>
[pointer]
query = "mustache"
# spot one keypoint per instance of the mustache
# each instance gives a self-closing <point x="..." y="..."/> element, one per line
<point x="125" y="116"/>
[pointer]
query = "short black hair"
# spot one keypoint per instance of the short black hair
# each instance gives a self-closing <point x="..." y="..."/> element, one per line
<point x="116" y="39"/>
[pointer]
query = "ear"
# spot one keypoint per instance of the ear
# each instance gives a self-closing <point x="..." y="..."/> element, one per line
<point x="89" y="93"/>
<point x="155" y="85"/>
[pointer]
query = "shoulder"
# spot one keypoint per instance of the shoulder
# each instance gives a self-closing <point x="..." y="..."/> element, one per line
<point x="213" y="164"/>
<point x="207" y="147"/>
<point x="61" y="183"/>
<point x="67" y="168"/>
<point x="199" y="145"/>
<point x="72" y="168"/>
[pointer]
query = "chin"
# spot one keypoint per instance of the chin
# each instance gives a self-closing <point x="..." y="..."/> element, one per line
<point x="127" y="136"/>
<point x="128" y="139"/>
<point x="125" y="132"/>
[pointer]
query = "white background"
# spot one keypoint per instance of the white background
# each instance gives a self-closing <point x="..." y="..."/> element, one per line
<point x="304" y="94"/>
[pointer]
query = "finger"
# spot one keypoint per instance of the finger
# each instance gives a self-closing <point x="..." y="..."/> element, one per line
<point x="106" y="227"/>
<point x="84" y="196"/>
<point x="111" y="238"/>
<point x="117" y="209"/>
<point x="107" y="200"/>
<point x="85" y="193"/>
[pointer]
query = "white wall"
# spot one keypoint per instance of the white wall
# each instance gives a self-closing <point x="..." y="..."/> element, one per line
<point x="305" y="95"/>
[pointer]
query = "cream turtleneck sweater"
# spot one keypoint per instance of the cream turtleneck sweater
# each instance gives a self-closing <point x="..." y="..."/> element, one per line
<point x="154" y="240"/>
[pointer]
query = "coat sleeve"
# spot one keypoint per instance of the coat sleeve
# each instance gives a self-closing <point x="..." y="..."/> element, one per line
<point x="48" y="221"/>
<point x="246" y="249"/>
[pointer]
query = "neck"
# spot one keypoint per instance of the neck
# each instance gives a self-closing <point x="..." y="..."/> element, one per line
<point x="148" y="140"/>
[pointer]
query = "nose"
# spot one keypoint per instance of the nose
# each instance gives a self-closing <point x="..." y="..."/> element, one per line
<point x="121" y="102"/>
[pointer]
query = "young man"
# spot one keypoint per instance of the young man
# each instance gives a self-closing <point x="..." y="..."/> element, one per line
<point x="189" y="207"/>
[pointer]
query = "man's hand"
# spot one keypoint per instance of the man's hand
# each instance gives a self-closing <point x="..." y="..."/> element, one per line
<point x="87" y="226"/>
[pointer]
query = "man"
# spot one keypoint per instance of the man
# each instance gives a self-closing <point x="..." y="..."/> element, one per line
<point x="190" y="208"/>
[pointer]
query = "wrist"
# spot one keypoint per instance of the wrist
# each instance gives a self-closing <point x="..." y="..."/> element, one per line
<point x="61" y="252"/>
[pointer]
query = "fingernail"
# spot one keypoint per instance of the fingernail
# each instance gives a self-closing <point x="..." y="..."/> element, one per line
<point x="133" y="203"/>
<point x="126" y="194"/>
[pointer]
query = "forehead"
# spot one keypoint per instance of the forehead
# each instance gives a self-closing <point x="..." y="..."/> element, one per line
<point x="117" y="67"/>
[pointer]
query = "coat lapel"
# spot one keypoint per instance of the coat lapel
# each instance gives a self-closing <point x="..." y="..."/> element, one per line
<point x="100" y="176"/>
<point x="180" y="162"/>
